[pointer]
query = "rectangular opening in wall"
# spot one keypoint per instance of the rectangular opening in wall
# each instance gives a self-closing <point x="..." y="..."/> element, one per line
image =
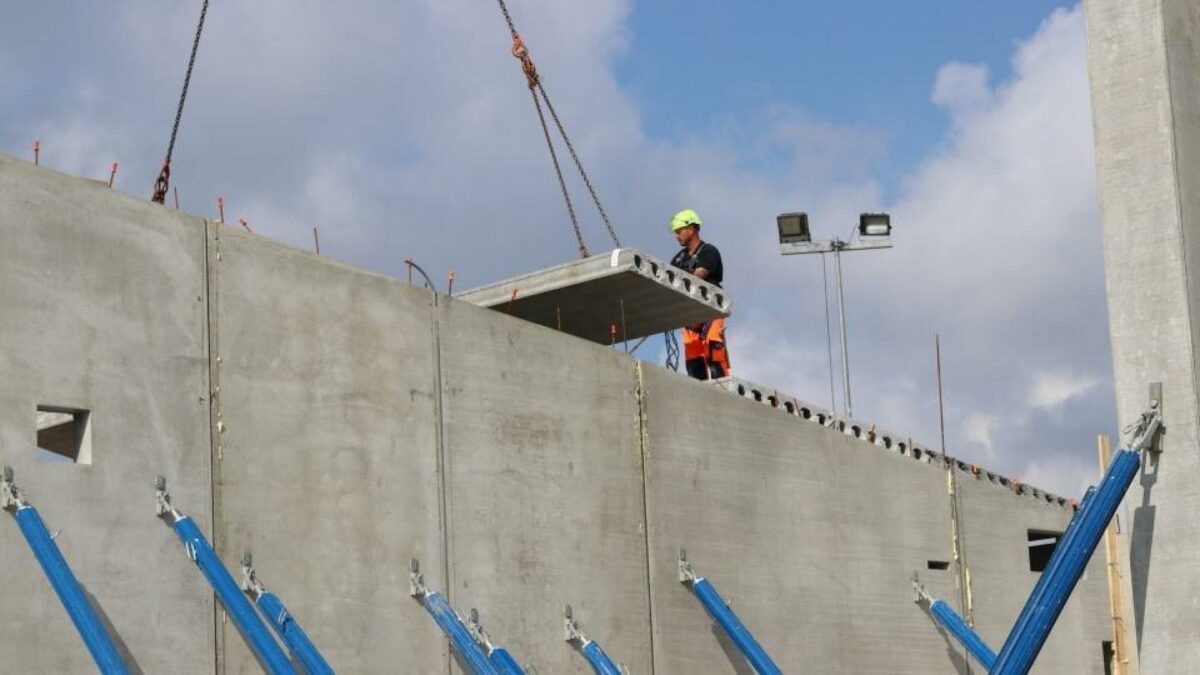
<point x="1110" y="657"/>
<point x="938" y="564"/>
<point x="65" y="433"/>
<point x="1041" y="547"/>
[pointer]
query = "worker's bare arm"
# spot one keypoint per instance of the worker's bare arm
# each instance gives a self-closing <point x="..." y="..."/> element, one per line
<point x="700" y="272"/>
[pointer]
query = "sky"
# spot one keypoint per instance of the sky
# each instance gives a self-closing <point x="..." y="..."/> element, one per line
<point x="404" y="129"/>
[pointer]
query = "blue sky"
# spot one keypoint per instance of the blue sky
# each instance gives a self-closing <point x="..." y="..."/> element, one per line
<point x="405" y="130"/>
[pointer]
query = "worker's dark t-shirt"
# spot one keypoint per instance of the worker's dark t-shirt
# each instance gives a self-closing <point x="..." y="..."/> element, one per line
<point x="706" y="256"/>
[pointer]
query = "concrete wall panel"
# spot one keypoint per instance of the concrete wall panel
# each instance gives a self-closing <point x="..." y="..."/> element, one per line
<point x="812" y="535"/>
<point x="328" y="456"/>
<point x="546" y="497"/>
<point x="102" y="307"/>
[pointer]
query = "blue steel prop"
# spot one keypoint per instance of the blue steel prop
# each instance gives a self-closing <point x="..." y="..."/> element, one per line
<point x="199" y="551"/>
<point x="500" y="657"/>
<point x="97" y="640"/>
<point x="450" y="623"/>
<point x="1023" y="645"/>
<point x="282" y="621"/>
<point x="1068" y="539"/>
<point x="720" y="612"/>
<point x="954" y="624"/>
<point x="1068" y="562"/>
<point x="599" y="661"/>
<point x="968" y="636"/>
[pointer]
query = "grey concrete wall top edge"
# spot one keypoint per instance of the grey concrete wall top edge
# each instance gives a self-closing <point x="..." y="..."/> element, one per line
<point x="897" y="443"/>
<point x="617" y="260"/>
<point x="228" y="231"/>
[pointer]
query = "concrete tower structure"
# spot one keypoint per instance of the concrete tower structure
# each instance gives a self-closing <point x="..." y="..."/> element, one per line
<point x="1144" y="62"/>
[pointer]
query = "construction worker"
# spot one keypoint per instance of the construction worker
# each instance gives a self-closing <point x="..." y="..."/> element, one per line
<point x="704" y="349"/>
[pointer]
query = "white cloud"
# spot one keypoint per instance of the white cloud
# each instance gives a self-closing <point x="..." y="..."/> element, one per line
<point x="1051" y="389"/>
<point x="960" y="86"/>
<point x="979" y="429"/>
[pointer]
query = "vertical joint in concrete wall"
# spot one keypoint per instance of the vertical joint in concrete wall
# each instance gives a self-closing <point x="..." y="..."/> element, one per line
<point x="959" y="548"/>
<point x="212" y="260"/>
<point x="445" y="502"/>
<point x="643" y="434"/>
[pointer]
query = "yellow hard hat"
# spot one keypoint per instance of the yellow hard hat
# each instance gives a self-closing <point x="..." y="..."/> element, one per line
<point x="683" y="219"/>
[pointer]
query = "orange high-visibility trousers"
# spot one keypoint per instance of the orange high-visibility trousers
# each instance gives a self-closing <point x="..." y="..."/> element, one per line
<point x="704" y="350"/>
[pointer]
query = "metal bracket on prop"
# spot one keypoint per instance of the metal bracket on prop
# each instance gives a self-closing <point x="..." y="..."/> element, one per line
<point x="571" y="631"/>
<point x="919" y="593"/>
<point x="687" y="575"/>
<point x="476" y="630"/>
<point x="250" y="583"/>
<point x="162" y="499"/>
<point x="416" y="582"/>
<point x="10" y="496"/>
<point x="1144" y="433"/>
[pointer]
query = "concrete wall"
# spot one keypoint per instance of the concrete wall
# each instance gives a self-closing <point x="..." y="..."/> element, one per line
<point x="327" y="464"/>
<point x="358" y="421"/>
<point x="546" y="487"/>
<point x="102" y="307"/>
<point x="1144" y="65"/>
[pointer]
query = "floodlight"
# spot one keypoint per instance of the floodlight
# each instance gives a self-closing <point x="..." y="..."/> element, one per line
<point x="874" y="225"/>
<point x="793" y="228"/>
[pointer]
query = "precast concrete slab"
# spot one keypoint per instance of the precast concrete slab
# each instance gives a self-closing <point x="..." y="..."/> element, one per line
<point x="622" y="295"/>
<point x="546" y="495"/>
<point x="790" y="518"/>
<point x="102" y="309"/>
<point x="774" y="398"/>
<point x="327" y="455"/>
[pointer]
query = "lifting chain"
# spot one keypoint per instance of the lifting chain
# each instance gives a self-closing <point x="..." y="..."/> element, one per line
<point x="521" y="52"/>
<point x="162" y="183"/>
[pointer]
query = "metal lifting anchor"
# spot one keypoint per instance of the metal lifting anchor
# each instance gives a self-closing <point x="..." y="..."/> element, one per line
<point x="600" y="662"/>
<point x="282" y="621"/>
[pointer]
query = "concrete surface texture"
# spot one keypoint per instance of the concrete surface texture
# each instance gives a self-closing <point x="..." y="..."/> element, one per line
<point x="621" y="295"/>
<point x="337" y="423"/>
<point x="1144" y="65"/>
<point x="102" y="308"/>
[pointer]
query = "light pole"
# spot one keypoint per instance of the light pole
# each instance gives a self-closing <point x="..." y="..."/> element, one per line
<point x="874" y="231"/>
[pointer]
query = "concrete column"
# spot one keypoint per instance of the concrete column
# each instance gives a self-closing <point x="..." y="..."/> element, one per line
<point x="1144" y="63"/>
